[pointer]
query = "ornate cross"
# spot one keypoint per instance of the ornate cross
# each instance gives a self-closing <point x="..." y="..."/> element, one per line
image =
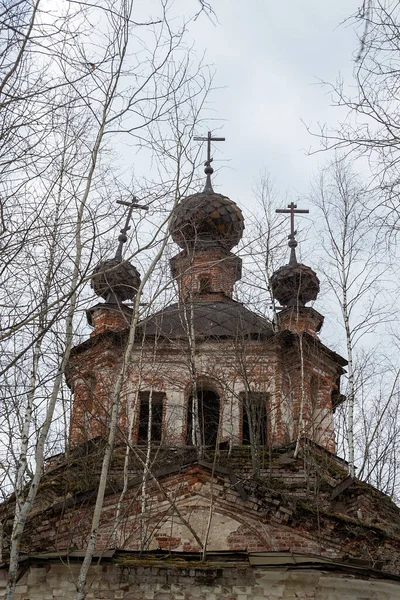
<point x="292" y="210"/>
<point x="122" y="238"/>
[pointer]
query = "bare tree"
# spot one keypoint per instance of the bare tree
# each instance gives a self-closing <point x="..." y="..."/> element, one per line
<point x="370" y="130"/>
<point x="65" y="98"/>
<point x="264" y="248"/>
<point x="354" y="266"/>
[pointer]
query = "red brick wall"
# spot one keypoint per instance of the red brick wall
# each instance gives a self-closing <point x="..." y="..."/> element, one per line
<point x="222" y="269"/>
<point x="271" y="367"/>
<point x="272" y="520"/>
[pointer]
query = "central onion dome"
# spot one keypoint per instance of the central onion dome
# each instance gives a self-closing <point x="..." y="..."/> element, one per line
<point x="207" y="219"/>
<point x="206" y="226"/>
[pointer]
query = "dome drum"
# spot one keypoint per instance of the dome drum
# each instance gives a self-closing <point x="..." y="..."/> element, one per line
<point x="206" y="272"/>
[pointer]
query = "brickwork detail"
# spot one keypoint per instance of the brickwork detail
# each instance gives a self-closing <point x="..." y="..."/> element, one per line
<point x="115" y="582"/>
<point x="206" y="275"/>
<point x="277" y="514"/>
<point x="106" y="317"/>
<point x="300" y="320"/>
<point x="233" y="366"/>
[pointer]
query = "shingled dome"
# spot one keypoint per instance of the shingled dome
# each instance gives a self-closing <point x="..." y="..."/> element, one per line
<point x="114" y="279"/>
<point x="206" y="220"/>
<point x="294" y="284"/>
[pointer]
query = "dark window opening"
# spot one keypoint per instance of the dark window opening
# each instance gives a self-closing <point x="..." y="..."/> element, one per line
<point x="204" y="284"/>
<point x="254" y="419"/>
<point x="208" y="407"/>
<point x="156" y="416"/>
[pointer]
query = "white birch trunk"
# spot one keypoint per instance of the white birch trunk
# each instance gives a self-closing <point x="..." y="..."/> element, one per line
<point x="81" y="590"/>
<point x="21" y="515"/>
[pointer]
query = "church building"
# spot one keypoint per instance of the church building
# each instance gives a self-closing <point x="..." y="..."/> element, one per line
<point x="224" y="482"/>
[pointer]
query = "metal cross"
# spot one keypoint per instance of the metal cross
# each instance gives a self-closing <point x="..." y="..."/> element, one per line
<point x="208" y="189"/>
<point x="209" y="139"/>
<point x="122" y="238"/>
<point x="292" y="210"/>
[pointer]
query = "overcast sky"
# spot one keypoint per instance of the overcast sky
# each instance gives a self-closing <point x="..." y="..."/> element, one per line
<point x="269" y="59"/>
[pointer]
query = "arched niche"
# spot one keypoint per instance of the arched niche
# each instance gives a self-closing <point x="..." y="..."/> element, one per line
<point x="204" y="283"/>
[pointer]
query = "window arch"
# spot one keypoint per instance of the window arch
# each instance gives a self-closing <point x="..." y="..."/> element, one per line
<point x="205" y="410"/>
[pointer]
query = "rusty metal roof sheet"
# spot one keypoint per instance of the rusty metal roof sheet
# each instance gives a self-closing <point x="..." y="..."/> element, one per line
<point x="227" y="319"/>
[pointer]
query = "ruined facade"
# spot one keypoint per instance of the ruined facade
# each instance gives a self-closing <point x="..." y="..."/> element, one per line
<point x="276" y="381"/>
<point x="224" y="482"/>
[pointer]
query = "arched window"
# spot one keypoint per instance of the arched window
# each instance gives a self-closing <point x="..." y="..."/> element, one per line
<point x="155" y="416"/>
<point x="205" y="412"/>
<point x="204" y="284"/>
<point x="254" y="418"/>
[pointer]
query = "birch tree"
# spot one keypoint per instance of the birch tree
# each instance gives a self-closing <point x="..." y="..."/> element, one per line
<point x="65" y="103"/>
<point x="370" y="129"/>
<point x="354" y="267"/>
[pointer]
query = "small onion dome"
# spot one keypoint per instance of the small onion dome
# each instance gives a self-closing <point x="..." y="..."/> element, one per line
<point x="207" y="219"/>
<point x="115" y="280"/>
<point x="294" y="284"/>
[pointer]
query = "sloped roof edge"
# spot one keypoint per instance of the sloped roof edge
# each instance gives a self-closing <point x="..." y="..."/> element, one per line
<point x="173" y="559"/>
<point x="210" y="319"/>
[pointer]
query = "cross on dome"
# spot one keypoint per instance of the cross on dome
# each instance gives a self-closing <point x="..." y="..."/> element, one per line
<point x="122" y="238"/>
<point x="292" y="210"/>
<point x="117" y="280"/>
<point x="208" y="189"/>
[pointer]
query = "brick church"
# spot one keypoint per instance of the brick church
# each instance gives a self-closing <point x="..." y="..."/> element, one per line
<point x="224" y="482"/>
